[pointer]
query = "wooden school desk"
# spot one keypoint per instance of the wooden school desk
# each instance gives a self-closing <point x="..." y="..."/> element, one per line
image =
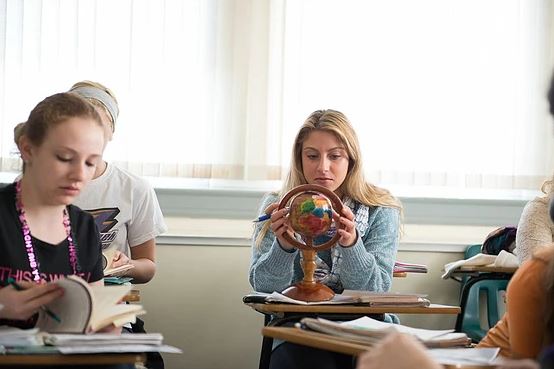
<point x="330" y="343"/>
<point x="132" y="296"/>
<point x="72" y="359"/>
<point x="279" y="314"/>
<point x="475" y="270"/>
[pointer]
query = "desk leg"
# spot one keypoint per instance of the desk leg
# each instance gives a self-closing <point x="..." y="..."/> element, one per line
<point x="267" y="345"/>
<point x="265" y="355"/>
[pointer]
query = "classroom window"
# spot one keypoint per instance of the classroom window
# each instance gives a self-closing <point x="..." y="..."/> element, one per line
<point x="448" y="94"/>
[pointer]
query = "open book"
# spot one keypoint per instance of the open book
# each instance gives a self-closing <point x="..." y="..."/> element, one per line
<point x="84" y="308"/>
<point x="368" y="331"/>
<point x="107" y="260"/>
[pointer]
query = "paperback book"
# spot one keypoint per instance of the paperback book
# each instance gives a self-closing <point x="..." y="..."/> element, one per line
<point x="84" y="308"/>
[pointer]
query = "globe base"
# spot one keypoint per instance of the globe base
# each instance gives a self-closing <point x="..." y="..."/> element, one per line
<point x="309" y="292"/>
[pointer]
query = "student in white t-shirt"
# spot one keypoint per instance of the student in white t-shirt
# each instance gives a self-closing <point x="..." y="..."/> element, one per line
<point x="124" y="205"/>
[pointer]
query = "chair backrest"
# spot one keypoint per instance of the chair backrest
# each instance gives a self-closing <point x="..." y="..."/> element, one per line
<point x="494" y="289"/>
<point x="472" y="250"/>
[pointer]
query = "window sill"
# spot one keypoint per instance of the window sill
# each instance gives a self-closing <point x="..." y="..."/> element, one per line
<point x="237" y="233"/>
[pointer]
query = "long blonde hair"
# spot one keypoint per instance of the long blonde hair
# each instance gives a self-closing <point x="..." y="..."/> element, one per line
<point x="355" y="185"/>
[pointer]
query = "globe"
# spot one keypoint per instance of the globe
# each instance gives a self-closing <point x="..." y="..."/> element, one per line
<point x="311" y="214"/>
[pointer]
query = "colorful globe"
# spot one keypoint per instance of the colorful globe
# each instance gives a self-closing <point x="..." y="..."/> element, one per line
<point x="311" y="214"/>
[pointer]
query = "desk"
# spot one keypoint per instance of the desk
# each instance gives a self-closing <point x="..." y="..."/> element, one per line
<point x="470" y="270"/>
<point x="327" y="342"/>
<point x="304" y="310"/>
<point x="290" y="313"/>
<point x="132" y="296"/>
<point x="74" y="359"/>
<point x="400" y="274"/>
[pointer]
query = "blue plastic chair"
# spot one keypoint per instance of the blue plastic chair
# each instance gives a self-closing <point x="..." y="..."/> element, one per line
<point x="469" y="320"/>
<point x="470" y="251"/>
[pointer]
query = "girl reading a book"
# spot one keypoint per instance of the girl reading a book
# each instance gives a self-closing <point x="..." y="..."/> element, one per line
<point x="326" y="152"/>
<point x="42" y="236"/>
<point x="124" y="205"/>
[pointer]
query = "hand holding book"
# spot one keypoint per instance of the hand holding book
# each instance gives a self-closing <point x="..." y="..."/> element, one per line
<point x="115" y="262"/>
<point x="22" y="300"/>
<point x="84" y="308"/>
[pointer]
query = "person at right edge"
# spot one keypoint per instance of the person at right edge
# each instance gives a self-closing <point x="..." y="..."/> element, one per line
<point x="525" y="334"/>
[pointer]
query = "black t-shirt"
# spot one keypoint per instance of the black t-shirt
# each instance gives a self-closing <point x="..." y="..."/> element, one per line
<point x="53" y="260"/>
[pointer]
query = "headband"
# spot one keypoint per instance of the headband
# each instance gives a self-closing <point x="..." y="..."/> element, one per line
<point x="89" y="92"/>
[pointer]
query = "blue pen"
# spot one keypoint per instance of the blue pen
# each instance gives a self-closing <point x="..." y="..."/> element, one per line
<point x="42" y="307"/>
<point x="262" y="218"/>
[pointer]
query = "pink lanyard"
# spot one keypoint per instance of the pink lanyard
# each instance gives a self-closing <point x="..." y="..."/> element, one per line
<point x="28" y="240"/>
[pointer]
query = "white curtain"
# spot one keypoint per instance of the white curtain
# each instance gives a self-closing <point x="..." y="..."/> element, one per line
<point x="447" y="94"/>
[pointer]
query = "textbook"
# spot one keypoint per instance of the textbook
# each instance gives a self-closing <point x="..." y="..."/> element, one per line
<point x="401" y="267"/>
<point x="368" y="331"/>
<point x="383" y="299"/>
<point x="84" y="308"/>
<point x="387" y="298"/>
<point x="107" y="260"/>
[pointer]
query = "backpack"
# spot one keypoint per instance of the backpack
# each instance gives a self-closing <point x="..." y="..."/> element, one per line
<point x="503" y="238"/>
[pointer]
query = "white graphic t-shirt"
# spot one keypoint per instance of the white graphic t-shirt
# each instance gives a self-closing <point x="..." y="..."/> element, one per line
<point x="125" y="209"/>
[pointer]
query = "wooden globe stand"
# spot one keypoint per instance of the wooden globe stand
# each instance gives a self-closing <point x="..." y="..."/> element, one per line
<point x="308" y="289"/>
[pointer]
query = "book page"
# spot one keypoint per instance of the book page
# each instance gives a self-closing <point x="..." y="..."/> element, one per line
<point x="372" y="324"/>
<point x="108" y="310"/>
<point x="465" y="356"/>
<point x="74" y="308"/>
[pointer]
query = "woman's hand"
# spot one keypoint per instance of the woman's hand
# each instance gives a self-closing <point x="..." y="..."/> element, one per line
<point x="21" y="305"/>
<point x="346" y="227"/>
<point x="280" y="224"/>
<point x="397" y="351"/>
<point x="119" y="259"/>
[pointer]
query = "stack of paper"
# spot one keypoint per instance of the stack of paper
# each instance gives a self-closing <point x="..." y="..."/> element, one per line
<point x="103" y="342"/>
<point x="400" y="267"/>
<point x="15" y="337"/>
<point x="387" y="298"/>
<point x="465" y="356"/>
<point x="476" y="260"/>
<point x="368" y="331"/>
